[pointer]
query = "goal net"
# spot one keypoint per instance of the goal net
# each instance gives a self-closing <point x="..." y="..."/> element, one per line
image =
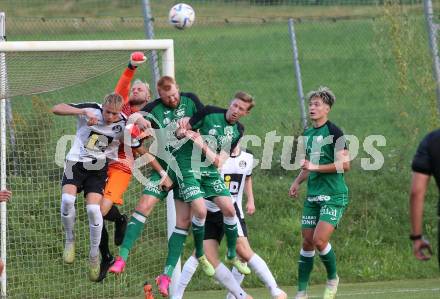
<point x="34" y="77"/>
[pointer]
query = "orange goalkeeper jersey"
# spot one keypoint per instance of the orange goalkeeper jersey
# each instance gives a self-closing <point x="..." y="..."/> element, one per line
<point x="123" y="88"/>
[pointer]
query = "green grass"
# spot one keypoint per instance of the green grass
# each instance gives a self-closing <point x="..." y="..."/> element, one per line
<point x="380" y="70"/>
<point x="406" y="289"/>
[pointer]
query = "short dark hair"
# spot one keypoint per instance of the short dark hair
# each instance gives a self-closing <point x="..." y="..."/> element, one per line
<point x="324" y="93"/>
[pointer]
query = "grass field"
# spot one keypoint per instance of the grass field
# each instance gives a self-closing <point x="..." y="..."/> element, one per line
<point x="402" y="289"/>
<point x="380" y="71"/>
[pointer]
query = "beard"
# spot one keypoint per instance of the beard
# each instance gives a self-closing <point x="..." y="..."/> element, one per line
<point x="136" y="101"/>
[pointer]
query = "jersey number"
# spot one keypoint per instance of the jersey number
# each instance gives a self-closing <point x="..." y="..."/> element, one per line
<point x="98" y="142"/>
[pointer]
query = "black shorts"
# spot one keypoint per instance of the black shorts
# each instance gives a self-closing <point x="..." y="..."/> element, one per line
<point x="85" y="176"/>
<point x="214" y="227"/>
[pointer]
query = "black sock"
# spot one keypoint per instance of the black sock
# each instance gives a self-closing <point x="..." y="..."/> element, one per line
<point x="114" y="215"/>
<point x="103" y="245"/>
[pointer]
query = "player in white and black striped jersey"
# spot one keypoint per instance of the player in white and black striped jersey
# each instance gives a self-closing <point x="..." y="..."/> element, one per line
<point x="100" y="131"/>
<point x="237" y="174"/>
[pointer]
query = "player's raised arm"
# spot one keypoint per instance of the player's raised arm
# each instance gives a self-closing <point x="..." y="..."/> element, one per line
<point x="75" y="109"/>
<point x="123" y="86"/>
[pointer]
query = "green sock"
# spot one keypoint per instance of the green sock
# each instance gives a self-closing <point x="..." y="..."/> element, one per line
<point x="231" y="233"/>
<point x="175" y="247"/>
<point x="198" y="234"/>
<point x="329" y="261"/>
<point x="134" y="230"/>
<point x="305" y="266"/>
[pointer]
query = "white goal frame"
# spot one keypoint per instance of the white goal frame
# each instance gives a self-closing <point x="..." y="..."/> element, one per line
<point x="166" y="45"/>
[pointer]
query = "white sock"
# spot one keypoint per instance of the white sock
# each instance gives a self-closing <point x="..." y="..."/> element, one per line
<point x="237" y="275"/>
<point x="95" y="225"/>
<point x="68" y="216"/>
<point x="259" y="266"/>
<point x="225" y="277"/>
<point x="188" y="270"/>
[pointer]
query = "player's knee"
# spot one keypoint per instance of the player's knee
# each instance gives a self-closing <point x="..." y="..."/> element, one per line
<point x="67" y="203"/>
<point x="319" y="243"/>
<point x="229" y="211"/>
<point x="244" y="251"/>
<point x="94" y="215"/>
<point x="308" y="244"/>
<point x="146" y="206"/>
<point x="200" y="213"/>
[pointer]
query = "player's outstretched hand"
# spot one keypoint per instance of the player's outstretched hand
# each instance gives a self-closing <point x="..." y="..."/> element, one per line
<point x="422" y="249"/>
<point x="137" y="58"/>
<point x="293" y="191"/>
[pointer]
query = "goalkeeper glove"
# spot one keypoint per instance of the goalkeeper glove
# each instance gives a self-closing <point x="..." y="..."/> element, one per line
<point x="136" y="59"/>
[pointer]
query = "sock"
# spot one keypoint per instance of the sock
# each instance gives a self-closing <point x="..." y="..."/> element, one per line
<point x="188" y="270"/>
<point x="237" y="275"/>
<point x="305" y="266"/>
<point x="259" y="267"/>
<point x="328" y="258"/>
<point x="103" y="245"/>
<point x="175" y="247"/>
<point x="134" y="230"/>
<point x="68" y="216"/>
<point x="224" y="276"/>
<point x="114" y="215"/>
<point x="95" y="225"/>
<point x="231" y="233"/>
<point x="198" y="230"/>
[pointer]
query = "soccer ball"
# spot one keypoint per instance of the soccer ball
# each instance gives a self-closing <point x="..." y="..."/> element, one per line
<point x="181" y="16"/>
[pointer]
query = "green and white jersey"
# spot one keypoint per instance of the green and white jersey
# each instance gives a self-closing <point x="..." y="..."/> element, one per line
<point x="321" y="145"/>
<point x="216" y="131"/>
<point x="164" y="120"/>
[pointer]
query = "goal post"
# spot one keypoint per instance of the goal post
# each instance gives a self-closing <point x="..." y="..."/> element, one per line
<point x="36" y="77"/>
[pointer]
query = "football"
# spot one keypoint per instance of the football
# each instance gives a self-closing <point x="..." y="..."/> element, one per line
<point x="181" y="16"/>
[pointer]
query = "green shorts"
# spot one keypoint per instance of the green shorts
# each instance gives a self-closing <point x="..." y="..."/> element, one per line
<point x="152" y="187"/>
<point x="189" y="186"/>
<point x="214" y="186"/>
<point x="323" y="208"/>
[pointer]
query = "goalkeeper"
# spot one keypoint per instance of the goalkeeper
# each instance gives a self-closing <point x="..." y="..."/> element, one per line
<point x="119" y="171"/>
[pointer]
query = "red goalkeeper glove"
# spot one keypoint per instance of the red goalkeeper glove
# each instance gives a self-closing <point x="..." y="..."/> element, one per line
<point x="136" y="59"/>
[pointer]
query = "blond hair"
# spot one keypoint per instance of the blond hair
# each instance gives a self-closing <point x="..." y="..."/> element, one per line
<point x="113" y="99"/>
<point x="324" y="93"/>
<point x="139" y="81"/>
